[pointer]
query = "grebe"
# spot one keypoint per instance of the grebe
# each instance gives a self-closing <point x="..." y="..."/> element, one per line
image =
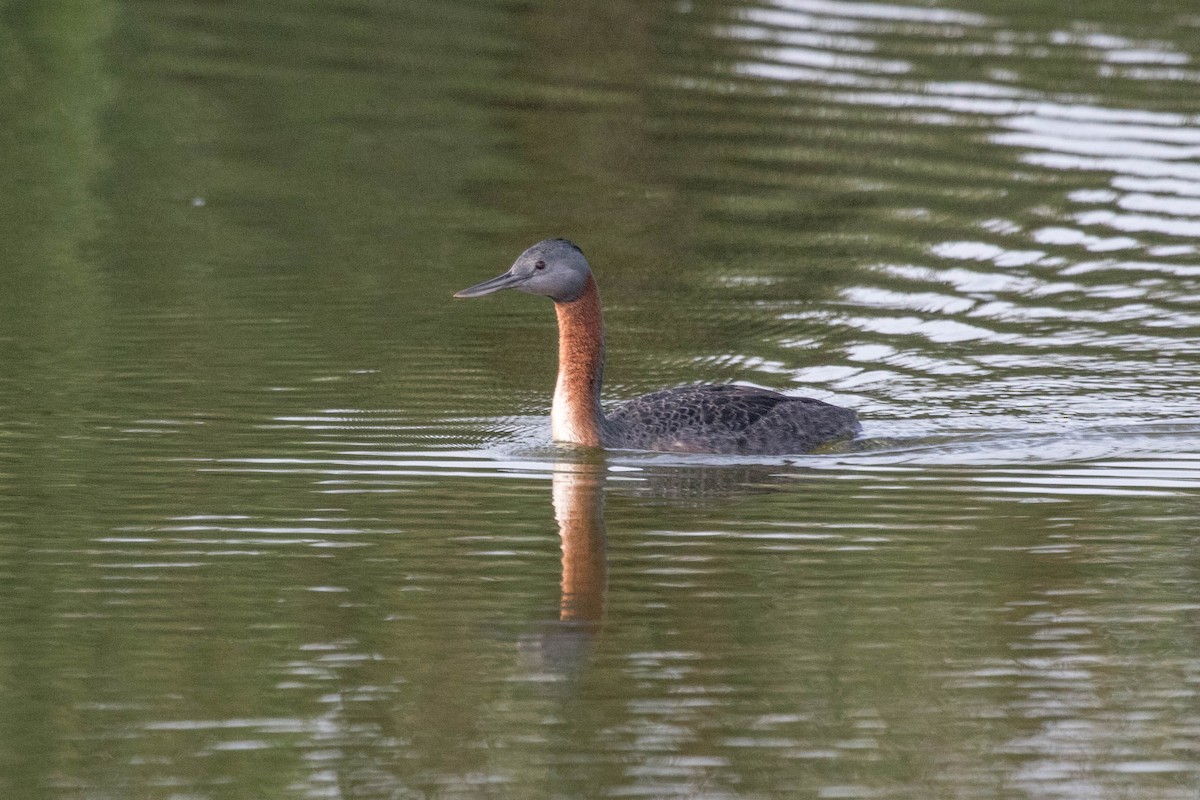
<point x="694" y="419"/>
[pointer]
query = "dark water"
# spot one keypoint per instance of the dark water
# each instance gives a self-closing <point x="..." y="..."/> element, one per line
<point x="278" y="519"/>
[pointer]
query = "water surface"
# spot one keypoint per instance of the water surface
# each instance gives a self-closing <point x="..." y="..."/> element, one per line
<point x="280" y="519"/>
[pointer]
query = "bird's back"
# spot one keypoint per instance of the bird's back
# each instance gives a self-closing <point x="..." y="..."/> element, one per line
<point x="726" y="419"/>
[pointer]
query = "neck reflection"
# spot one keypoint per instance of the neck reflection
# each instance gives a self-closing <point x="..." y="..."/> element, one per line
<point x="578" y="495"/>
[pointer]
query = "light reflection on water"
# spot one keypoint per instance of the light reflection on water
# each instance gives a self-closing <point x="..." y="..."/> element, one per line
<point x="687" y="718"/>
<point x="1106" y="278"/>
<point x="631" y="603"/>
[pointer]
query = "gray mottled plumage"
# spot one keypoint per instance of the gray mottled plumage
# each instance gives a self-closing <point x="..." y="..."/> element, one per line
<point x="726" y="419"/>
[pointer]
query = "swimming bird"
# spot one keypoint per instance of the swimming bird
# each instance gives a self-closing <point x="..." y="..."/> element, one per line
<point x="694" y="419"/>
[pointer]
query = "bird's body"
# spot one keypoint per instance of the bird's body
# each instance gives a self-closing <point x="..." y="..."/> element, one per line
<point x="726" y="419"/>
<point x="695" y="419"/>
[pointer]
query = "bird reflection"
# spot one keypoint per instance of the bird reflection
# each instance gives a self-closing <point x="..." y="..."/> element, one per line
<point x="578" y="495"/>
<point x="561" y="648"/>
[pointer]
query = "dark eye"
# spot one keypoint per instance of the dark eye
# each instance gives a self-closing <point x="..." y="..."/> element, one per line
<point x="540" y="265"/>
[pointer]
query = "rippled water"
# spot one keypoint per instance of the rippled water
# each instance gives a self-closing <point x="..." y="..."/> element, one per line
<point x="280" y="519"/>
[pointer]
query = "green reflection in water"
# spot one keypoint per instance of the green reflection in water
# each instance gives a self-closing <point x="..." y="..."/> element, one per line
<point x="53" y="307"/>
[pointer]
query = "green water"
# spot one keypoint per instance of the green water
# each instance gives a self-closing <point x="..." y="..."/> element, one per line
<point x="279" y="519"/>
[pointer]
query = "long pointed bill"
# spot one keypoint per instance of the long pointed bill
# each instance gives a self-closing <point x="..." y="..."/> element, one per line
<point x="505" y="281"/>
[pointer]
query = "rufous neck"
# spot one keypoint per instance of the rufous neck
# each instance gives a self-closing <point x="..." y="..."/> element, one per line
<point x="576" y="416"/>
